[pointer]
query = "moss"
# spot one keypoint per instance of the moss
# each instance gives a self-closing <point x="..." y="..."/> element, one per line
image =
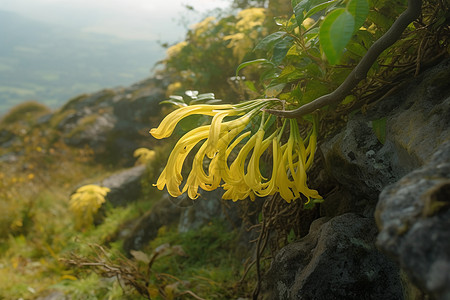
<point x="60" y="116"/>
<point x="25" y="111"/>
<point x="82" y="125"/>
<point x="72" y="103"/>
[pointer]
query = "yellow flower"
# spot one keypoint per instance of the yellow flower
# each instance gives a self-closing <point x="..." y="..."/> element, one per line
<point x="242" y="178"/>
<point x="250" y="18"/>
<point x="203" y="26"/>
<point x="86" y="201"/>
<point x="253" y="178"/>
<point x="175" y="49"/>
<point x="217" y="127"/>
<point x="171" y="175"/>
<point x="270" y="187"/>
<point x="293" y="162"/>
<point x="168" y="124"/>
<point x="144" y="155"/>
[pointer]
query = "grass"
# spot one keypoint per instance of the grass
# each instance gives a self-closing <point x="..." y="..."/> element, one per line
<point x="38" y="233"/>
<point x="210" y="268"/>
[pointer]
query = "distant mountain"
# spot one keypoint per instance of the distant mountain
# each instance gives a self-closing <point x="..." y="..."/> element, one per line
<point x="50" y="64"/>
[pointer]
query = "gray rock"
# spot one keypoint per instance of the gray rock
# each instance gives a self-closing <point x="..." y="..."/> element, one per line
<point x="207" y="207"/>
<point x="417" y="123"/>
<point x="112" y="122"/>
<point x="54" y="295"/>
<point x="354" y="158"/>
<point x="413" y="216"/>
<point x="125" y="185"/>
<point x="336" y="260"/>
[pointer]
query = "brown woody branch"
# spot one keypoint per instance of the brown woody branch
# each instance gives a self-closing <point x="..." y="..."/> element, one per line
<point x="360" y="71"/>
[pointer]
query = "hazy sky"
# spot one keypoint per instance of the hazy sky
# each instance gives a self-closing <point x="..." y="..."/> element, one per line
<point x="132" y="19"/>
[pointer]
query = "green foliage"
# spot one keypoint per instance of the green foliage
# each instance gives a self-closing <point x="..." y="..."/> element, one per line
<point x="24" y="111"/>
<point x="335" y="32"/>
<point x="211" y="51"/>
<point x="379" y="127"/>
<point x="38" y="170"/>
<point x="210" y="265"/>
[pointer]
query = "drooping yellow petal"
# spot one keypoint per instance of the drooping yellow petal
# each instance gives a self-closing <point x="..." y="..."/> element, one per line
<point x="171" y="176"/>
<point x="168" y="124"/>
<point x="215" y="131"/>
<point x="269" y="188"/>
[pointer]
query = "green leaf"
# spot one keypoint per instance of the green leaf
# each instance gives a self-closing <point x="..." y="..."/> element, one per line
<point x="313" y="90"/>
<point x="319" y="7"/>
<point x="281" y="48"/>
<point x="303" y="6"/>
<point x="250" y="85"/>
<point x="290" y="73"/>
<point x="299" y="10"/>
<point x="176" y="98"/>
<point x="192" y="94"/>
<point x="359" y="10"/>
<point x="176" y="103"/>
<point x="312" y="203"/>
<point x="291" y="236"/>
<point x="365" y="38"/>
<point x="379" y="127"/>
<point x="335" y="33"/>
<point x="348" y="99"/>
<point x="275" y="90"/>
<point x="356" y="48"/>
<point x="206" y="96"/>
<point x="252" y="62"/>
<point x="294" y="2"/>
<point x="268" y="42"/>
<point x="269" y="74"/>
<point x="213" y="101"/>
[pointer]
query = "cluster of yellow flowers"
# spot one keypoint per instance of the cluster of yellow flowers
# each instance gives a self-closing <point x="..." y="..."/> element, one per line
<point x="240" y="178"/>
<point x="144" y="155"/>
<point x="243" y="40"/>
<point x="85" y="203"/>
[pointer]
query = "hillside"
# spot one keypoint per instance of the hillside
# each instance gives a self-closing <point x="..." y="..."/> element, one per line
<point x="50" y="64"/>
<point x="119" y="195"/>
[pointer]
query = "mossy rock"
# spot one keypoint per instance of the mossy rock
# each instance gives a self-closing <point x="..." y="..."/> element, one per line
<point x="29" y="110"/>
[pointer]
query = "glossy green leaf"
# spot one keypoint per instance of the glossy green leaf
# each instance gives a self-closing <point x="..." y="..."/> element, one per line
<point x="299" y="10"/>
<point x="268" y="42"/>
<point x="206" y="96"/>
<point x="252" y="62"/>
<point x="176" y="103"/>
<point x="250" y="85"/>
<point x="302" y="7"/>
<point x="335" y="32"/>
<point x="359" y="10"/>
<point x="319" y="7"/>
<point x="275" y="90"/>
<point x="281" y="48"/>
<point x="176" y="98"/>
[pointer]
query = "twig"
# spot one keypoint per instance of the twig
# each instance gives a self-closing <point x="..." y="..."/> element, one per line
<point x="360" y="71"/>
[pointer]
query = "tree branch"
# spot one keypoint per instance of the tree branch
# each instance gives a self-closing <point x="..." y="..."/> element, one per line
<point x="360" y="71"/>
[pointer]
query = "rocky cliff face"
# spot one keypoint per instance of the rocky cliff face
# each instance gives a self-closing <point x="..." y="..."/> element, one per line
<point x="403" y="182"/>
<point x="112" y="122"/>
